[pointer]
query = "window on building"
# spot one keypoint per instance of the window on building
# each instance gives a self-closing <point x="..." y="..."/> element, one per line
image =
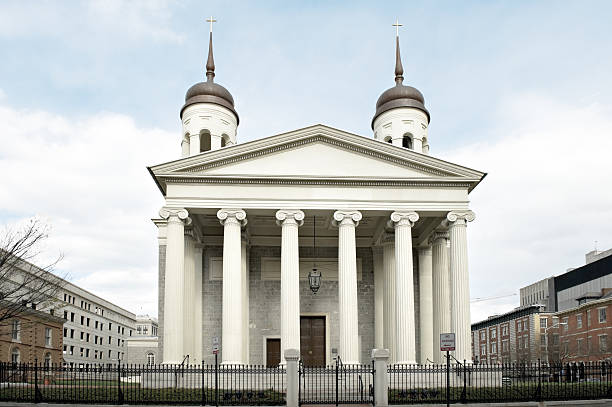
<point x="82" y="335"/>
<point x="504" y="330"/>
<point x="86" y="353"/>
<point x="81" y="352"/>
<point x="565" y="324"/>
<point x="72" y="350"/>
<point x="579" y="321"/>
<point x="520" y="342"/>
<point x="72" y="334"/>
<point x="602" y="315"/>
<point x="542" y="339"/>
<point x="109" y="340"/>
<point x="519" y="326"/>
<point x="543" y="323"/>
<point x="526" y="341"/>
<point x="109" y="354"/>
<point x="15" y="356"/>
<point x="65" y="349"/>
<point x="82" y="320"/>
<point x="16" y="331"/>
<point x="589" y="346"/>
<point x="483" y="335"/>
<point x="110" y="326"/>
<point x="150" y="358"/>
<point x="603" y="343"/>
<point x="96" y="325"/>
<point x="66" y="315"/>
<point x="64" y="296"/>
<point x="48" y="359"/>
<point x="505" y="345"/>
<point x="65" y="332"/>
<point x="72" y="317"/>
<point x="566" y="348"/>
<point x="483" y="349"/>
<point x="407" y="141"/>
<point x="87" y="321"/>
<point x="47" y="336"/>
<point x="87" y="340"/>
<point x="493" y="332"/>
<point x="555" y="339"/>
<point x="579" y="346"/>
<point x="494" y="347"/>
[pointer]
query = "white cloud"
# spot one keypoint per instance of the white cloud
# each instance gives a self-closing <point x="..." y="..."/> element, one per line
<point x="546" y="198"/>
<point x="88" y="179"/>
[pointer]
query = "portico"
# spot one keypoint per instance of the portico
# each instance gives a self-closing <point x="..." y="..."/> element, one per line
<point x="361" y="213"/>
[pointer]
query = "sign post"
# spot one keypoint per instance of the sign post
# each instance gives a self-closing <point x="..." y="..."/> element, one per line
<point x="215" y="351"/>
<point x="447" y="343"/>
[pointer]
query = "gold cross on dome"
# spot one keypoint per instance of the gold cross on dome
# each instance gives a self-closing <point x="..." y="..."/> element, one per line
<point x="397" y="25"/>
<point x="211" y="20"/>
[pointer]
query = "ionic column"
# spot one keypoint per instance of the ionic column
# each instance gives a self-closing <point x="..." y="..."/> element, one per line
<point x="441" y="291"/>
<point x="388" y="244"/>
<point x="197" y="304"/>
<point x="194" y="144"/>
<point x="379" y="297"/>
<point x="347" y="285"/>
<point x="404" y="294"/>
<point x="244" y="249"/>
<point x="460" y="283"/>
<point x="290" y="220"/>
<point x="174" y="284"/>
<point x="232" y="325"/>
<point x="425" y="305"/>
<point x="189" y="298"/>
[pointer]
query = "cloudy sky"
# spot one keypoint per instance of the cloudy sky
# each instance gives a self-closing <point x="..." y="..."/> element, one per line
<point x="90" y="94"/>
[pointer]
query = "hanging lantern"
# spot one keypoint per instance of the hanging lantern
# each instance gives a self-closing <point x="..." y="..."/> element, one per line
<point x="314" y="278"/>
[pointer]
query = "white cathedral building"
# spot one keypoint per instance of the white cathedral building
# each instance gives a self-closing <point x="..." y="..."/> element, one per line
<point x="244" y="224"/>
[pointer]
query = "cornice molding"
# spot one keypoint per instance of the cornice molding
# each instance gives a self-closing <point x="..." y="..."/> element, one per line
<point x="180" y="179"/>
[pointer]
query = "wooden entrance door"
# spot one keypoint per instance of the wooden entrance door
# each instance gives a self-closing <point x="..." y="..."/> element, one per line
<point x="312" y="341"/>
<point x="273" y="352"/>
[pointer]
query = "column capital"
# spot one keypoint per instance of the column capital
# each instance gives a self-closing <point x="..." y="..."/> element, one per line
<point x="460" y="217"/>
<point x="401" y="218"/>
<point x="289" y="216"/>
<point x="438" y="234"/>
<point x="175" y="214"/>
<point x="346" y="217"/>
<point x="232" y="215"/>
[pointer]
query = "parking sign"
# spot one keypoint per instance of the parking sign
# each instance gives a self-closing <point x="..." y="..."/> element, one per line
<point x="447" y="342"/>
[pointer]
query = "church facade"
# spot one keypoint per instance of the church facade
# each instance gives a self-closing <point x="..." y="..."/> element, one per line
<point x="244" y="224"/>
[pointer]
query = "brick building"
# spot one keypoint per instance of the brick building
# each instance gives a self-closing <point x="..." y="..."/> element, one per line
<point x="31" y="335"/>
<point x="511" y="337"/>
<point x="584" y="331"/>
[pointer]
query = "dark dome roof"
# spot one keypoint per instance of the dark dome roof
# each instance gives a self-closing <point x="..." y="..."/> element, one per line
<point x="209" y="91"/>
<point x="400" y="95"/>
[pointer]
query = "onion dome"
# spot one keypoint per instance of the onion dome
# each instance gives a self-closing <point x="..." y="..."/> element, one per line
<point x="209" y="91"/>
<point x="400" y="95"/>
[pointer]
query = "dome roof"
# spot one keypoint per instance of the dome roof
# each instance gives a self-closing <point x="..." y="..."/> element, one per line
<point x="400" y="95"/>
<point x="209" y="91"/>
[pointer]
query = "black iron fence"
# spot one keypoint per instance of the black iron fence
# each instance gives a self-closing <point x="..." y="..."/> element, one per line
<point x="143" y="384"/>
<point x="336" y="384"/>
<point x="474" y="383"/>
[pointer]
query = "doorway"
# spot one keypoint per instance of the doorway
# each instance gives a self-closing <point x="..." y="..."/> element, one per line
<point x="273" y="352"/>
<point x="312" y="340"/>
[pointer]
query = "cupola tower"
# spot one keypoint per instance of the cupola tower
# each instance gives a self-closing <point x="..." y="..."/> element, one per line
<point x="209" y="118"/>
<point x="401" y="117"/>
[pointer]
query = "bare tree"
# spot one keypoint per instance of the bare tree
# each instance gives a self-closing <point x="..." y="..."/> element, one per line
<point x="22" y="284"/>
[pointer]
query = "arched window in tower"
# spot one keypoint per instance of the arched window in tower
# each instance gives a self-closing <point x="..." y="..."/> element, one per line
<point x="225" y="140"/>
<point x="388" y="140"/>
<point x="204" y="141"/>
<point x="425" y="146"/>
<point x="407" y="141"/>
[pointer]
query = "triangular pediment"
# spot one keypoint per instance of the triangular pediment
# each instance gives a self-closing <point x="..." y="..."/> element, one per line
<point x="316" y="153"/>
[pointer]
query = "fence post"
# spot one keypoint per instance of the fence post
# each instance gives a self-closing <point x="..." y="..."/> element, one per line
<point x="119" y="391"/>
<point x="37" y="394"/>
<point x="203" y="401"/>
<point x="216" y="379"/>
<point x="464" y="393"/>
<point x="381" y="380"/>
<point x="292" y="356"/>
